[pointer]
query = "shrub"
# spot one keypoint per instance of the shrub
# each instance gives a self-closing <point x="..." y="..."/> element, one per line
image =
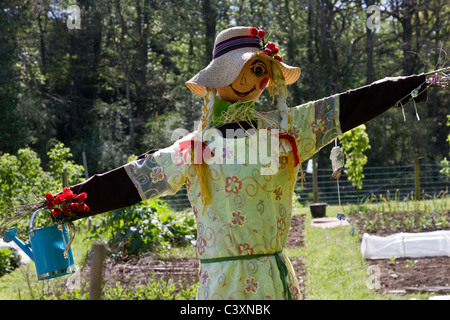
<point x="145" y="227"/>
<point x="9" y="260"/>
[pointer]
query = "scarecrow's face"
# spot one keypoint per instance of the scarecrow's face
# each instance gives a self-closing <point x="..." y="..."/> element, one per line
<point x="250" y="83"/>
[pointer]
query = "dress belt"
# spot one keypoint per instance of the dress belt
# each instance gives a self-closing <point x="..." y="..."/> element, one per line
<point x="284" y="273"/>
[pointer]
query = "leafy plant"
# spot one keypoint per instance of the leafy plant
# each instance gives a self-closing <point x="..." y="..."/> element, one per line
<point x="9" y="260"/>
<point x="354" y="143"/>
<point x="23" y="181"/>
<point x="60" y="161"/>
<point x="445" y="163"/>
<point x="145" y="227"/>
<point x="156" y="289"/>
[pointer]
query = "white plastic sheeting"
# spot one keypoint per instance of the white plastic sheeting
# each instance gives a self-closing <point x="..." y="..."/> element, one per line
<point x="406" y="245"/>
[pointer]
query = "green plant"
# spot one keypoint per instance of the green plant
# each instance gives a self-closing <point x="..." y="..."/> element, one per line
<point x="145" y="227"/>
<point x="392" y="261"/>
<point x="60" y="161"/>
<point x="354" y="143"/>
<point x="410" y="263"/>
<point x="23" y="181"/>
<point x="9" y="260"/>
<point x="445" y="163"/>
<point x="156" y="289"/>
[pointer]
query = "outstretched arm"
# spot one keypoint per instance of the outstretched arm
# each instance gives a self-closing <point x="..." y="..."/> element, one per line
<point x="360" y="105"/>
<point x="317" y="123"/>
<point x="108" y="191"/>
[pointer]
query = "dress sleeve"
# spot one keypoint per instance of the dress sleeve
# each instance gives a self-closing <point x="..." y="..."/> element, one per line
<point x="155" y="174"/>
<point x="315" y="124"/>
<point x="158" y="174"/>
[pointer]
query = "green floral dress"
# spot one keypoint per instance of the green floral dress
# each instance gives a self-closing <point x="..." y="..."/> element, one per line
<point x="242" y="231"/>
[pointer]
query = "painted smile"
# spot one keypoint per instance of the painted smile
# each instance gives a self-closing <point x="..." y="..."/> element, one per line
<point x="242" y="94"/>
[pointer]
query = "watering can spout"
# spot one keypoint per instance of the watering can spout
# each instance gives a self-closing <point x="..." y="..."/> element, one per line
<point x="10" y="235"/>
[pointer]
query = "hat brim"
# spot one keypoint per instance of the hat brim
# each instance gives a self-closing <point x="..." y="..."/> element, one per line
<point x="223" y="70"/>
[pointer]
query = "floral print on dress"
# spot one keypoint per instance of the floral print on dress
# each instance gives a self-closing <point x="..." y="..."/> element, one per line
<point x="238" y="219"/>
<point x="245" y="249"/>
<point x="281" y="226"/>
<point x="157" y="174"/>
<point x="318" y="125"/>
<point x="278" y="193"/>
<point x="252" y="285"/>
<point x="204" y="277"/>
<point x="228" y="153"/>
<point x="232" y="184"/>
<point x="201" y="243"/>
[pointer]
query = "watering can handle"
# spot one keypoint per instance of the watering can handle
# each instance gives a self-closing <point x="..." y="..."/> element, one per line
<point x="70" y="228"/>
<point x="71" y="237"/>
<point x="30" y="226"/>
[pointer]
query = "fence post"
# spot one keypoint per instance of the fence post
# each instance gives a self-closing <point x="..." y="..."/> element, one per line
<point x="86" y="172"/>
<point x="99" y="252"/>
<point x="417" y="177"/>
<point x="65" y="179"/>
<point x="315" y="182"/>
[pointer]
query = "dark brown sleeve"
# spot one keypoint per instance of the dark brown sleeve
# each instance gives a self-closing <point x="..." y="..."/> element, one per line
<point x="360" y="105"/>
<point x="108" y="191"/>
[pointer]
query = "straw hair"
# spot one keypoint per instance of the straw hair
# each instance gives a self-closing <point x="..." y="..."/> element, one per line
<point x="223" y="70"/>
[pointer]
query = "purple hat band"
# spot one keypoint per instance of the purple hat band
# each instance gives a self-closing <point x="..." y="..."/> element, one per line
<point x="235" y="43"/>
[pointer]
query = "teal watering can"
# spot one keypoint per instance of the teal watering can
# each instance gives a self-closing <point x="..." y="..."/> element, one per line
<point x="49" y="248"/>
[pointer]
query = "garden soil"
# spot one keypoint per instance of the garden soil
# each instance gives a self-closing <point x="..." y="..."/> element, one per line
<point x="408" y="275"/>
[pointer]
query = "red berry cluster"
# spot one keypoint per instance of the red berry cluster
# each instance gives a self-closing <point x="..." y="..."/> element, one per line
<point x="254" y="32"/>
<point x="270" y="48"/>
<point x="66" y="203"/>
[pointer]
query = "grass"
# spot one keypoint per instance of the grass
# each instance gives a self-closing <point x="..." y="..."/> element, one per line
<point x="335" y="268"/>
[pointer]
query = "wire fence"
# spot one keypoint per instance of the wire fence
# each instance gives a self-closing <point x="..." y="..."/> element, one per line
<point x="393" y="182"/>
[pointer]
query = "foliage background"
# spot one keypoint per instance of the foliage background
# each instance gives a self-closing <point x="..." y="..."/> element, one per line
<point x="115" y="87"/>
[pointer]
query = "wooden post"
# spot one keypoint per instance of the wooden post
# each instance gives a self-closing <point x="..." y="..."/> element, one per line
<point x="86" y="173"/>
<point x="98" y="257"/>
<point x="65" y="180"/>
<point x="315" y="182"/>
<point x="417" y="177"/>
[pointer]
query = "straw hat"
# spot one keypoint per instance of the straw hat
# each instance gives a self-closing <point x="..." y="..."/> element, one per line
<point x="232" y="49"/>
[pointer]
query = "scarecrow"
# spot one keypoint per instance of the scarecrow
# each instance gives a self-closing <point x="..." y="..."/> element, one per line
<point x="240" y="166"/>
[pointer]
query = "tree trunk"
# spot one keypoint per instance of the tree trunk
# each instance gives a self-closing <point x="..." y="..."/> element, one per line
<point x="369" y="48"/>
<point x="209" y="17"/>
<point x="405" y="20"/>
<point x="126" y="72"/>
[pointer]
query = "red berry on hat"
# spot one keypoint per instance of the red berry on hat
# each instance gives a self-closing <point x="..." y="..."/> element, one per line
<point x="279" y="58"/>
<point x="253" y="32"/>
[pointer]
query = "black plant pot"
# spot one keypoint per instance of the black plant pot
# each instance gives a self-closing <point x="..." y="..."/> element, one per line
<point x="318" y="209"/>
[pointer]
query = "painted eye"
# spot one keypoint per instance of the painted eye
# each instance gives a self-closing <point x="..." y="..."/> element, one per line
<point x="259" y="70"/>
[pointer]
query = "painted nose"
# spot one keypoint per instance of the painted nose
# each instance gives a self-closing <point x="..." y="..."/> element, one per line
<point x="243" y="81"/>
